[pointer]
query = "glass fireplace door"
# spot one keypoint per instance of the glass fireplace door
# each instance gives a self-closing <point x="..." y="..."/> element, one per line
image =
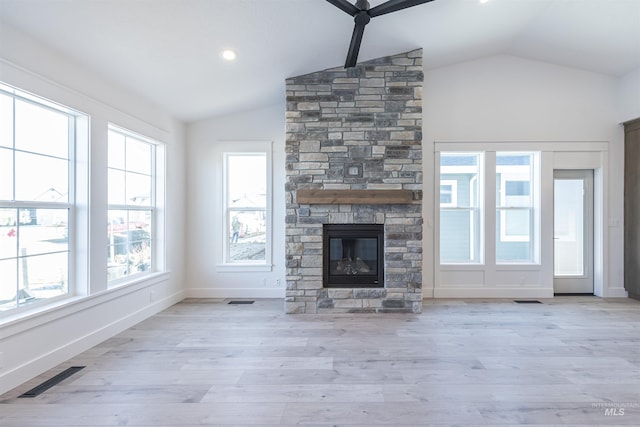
<point x="353" y="255"/>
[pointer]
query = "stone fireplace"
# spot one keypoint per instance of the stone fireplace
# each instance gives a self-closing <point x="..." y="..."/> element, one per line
<point x="354" y="165"/>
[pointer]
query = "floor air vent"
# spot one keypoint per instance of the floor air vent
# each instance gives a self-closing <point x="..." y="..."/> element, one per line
<point x="241" y="302"/>
<point x="528" y="301"/>
<point x="39" y="389"/>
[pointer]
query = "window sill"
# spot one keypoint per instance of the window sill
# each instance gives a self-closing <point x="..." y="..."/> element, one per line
<point x="132" y="280"/>
<point x="240" y="268"/>
<point x="518" y="265"/>
<point x="23" y="321"/>
<point x="497" y="267"/>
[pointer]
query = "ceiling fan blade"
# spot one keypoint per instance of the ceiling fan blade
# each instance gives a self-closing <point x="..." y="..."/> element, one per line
<point x="345" y="5"/>
<point x="394" y="5"/>
<point x="354" y="47"/>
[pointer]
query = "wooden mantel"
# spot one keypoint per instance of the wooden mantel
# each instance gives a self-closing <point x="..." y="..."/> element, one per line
<point x="355" y="197"/>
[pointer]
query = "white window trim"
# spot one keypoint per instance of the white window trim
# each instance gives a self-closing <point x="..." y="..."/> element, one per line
<point x="223" y="149"/>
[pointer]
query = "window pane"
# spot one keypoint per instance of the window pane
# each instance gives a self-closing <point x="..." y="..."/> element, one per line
<point x="138" y="189"/>
<point x="140" y="220"/>
<point x="116" y="150"/>
<point x="6" y="174"/>
<point x="8" y="234"/>
<point x="459" y="236"/>
<point x="8" y="284"/>
<point x="247" y="231"/>
<point x="41" y="130"/>
<point x="247" y="180"/>
<point x="448" y="193"/>
<point x="36" y="142"/>
<point x="42" y="231"/>
<point x="460" y="172"/>
<point x="459" y="228"/>
<point x="138" y="156"/>
<point x="33" y="184"/>
<point x="42" y="276"/>
<point x="130" y="182"/>
<point x="514" y="189"/>
<point x="6" y="121"/>
<point x="513" y="180"/>
<point x="123" y="220"/>
<point x="513" y="235"/>
<point x="517" y="188"/>
<point x="116" y="187"/>
<point x="129" y="242"/>
<point x="568" y="227"/>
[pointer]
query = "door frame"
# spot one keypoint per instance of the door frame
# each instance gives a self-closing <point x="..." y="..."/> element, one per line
<point x="588" y="247"/>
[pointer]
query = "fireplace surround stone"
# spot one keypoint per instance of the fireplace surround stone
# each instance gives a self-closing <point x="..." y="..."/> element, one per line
<point x="355" y="129"/>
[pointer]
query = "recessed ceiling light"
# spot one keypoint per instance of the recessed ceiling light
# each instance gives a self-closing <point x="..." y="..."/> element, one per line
<point x="229" y="54"/>
<point x="484" y="1"/>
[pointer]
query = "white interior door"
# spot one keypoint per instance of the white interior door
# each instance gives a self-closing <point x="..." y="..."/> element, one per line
<point x="573" y="232"/>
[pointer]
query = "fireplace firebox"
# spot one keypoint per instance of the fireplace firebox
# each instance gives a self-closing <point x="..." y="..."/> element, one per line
<point x="353" y="255"/>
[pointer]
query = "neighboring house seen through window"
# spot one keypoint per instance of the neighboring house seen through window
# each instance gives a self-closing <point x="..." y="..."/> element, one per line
<point x="448" y="193"/>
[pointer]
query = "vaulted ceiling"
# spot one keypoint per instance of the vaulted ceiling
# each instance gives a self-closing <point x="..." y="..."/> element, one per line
<point x="168" y="51"/>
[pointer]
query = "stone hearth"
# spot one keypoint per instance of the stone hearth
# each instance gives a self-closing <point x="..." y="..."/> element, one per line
<point x="355" y="129"/>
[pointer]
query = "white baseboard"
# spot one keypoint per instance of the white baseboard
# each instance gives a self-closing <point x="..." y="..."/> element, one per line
<point x="616" y="293"/>
<point x="234" y="293"/>
<point x="35" y="367"/>
<point x="512" y="293"/>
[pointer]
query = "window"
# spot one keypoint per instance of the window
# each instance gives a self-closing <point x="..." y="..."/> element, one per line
<point x="246" y="200"/>
<point x="459" y="208"/>
<point x="37" y="155"/>
<point x="132" y="204"/>
<point x="514" y="207"/>
<point x="448" y="193"/>
<point x="464" y="190"/>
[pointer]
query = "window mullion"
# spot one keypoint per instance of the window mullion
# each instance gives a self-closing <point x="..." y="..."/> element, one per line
<point x="490" y="211"/>
<point x="35" y="205"/>
<point x="13" y="147"/>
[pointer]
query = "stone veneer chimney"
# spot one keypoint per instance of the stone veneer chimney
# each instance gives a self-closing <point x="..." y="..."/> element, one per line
<point x="355" y="129"/>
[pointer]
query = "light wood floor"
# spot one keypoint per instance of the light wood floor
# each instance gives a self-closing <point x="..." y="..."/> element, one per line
<point x="569" y="361"/>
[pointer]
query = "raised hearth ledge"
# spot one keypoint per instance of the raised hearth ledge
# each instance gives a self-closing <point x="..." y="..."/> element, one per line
<point x="357" y="197"/>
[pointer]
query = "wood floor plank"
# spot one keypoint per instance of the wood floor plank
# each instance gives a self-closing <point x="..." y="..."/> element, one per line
<point x="569" y="361"/>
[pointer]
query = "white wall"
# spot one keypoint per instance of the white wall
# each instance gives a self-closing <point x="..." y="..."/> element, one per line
<point x="39" y="341"/>
<point x="628" y="96"/>
<point x="204" y="214"/>
<point x="510" y="99"/>
<point x="495" y="99"/>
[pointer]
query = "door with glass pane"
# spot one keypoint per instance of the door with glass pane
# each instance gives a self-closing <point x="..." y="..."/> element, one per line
<point x="573" y="232"/>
